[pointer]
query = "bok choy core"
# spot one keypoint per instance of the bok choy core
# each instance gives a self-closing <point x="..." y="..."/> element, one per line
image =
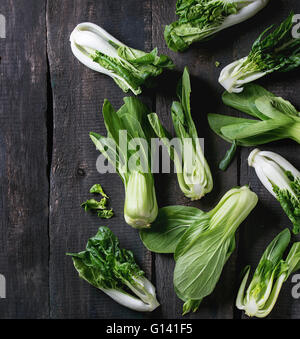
<point x="200" y="19"/>
<point x="281" y="179"/>
<point x="201" y="242"/>
<point x="128" y="129"/>
<point x="193" y="172"/>
<point x="276" y="118"/>
<point x="114" y="271"/>
<point x="272" y="271"/>
<point x="274" y="50"/>
<point x="130" y="68"/>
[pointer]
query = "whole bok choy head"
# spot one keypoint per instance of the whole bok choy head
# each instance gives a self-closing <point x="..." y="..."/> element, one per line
<point x="200" y="19"/>
<point x="113" y="270"/>
<point x="128" y="148"/>
<point x="272" y="271"/>
<point x="276" y="118"/>
<point x="201" y="242"/>
<point x="281" y="179"/>
<point x="130" y="68"/>
<point x="193" y="172"/>
<point x="274" y="50"/>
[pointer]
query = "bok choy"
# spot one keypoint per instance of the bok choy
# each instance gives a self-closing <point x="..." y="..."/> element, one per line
<point x="130" y="68"/>
<point x="127" y="148"/>
<point x="276" y="118"/>
<point x="274" y="50"/>
<point x="114" y="271"/>
<point x="281" y="179"/>
<point x="272" y="271"/>
<point x="201" y="242"/>
<point x="193" y="172"/>
<point x="200" y="19"/>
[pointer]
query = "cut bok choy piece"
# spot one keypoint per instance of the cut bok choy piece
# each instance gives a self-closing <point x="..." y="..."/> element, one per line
<point x="200" y="19"/>
<point x="193" y="173"/>
<point x="130" y="68"/>
<point x="128" y="149"/>
<point x="281" y="179"/>
<point x="259" y="299"/>
<point x="114" y="271"/>
<point x="274" y="50"/>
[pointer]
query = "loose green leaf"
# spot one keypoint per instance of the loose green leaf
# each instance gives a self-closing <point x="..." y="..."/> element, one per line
<point x="97" y="189"/>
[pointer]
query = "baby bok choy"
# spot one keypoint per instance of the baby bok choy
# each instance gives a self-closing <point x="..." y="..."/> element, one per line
<point x="276" y="118"/>
<point x="272" y="271"/>
<point x="274" y="50"/>
<point x="201" y="242"/>
<point x="114" y="271"/>
<point x="128" y="149"/>
<point x="281" y="179"/>
<point x="200" y="19"/>
<point x="130" y="68"/>
<point x="193" y="172"/>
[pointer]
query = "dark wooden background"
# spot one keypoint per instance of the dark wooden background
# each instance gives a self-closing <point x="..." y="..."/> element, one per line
<point x="49" y="103"/>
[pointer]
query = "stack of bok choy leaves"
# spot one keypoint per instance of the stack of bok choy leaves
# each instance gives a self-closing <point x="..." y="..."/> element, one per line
<point x="127" y="130"/>
<point x="276" y="118"/>
<point x="114" y="271"/>
<point x="201" y="242"/>
<point x="200" y="19"/>
<point x="130" y="68"/>
<point x="193" y="172"/>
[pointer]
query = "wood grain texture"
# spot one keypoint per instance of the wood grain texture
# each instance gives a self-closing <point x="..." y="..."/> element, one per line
<point x="78" y="95"/>
<point x="24" y="184"/>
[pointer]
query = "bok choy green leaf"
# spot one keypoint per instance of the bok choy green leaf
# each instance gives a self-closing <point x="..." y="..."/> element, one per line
<point x="259" y="299"/>
<point x="274" y="50"/>
<point x="128" y="130"/>
<point x="200" y="19"/>
<point x="193" y="172"/>
<point x="114" y="271"/>
<point x="275" y="118"/>
<point x="101" y="52"/>
<point x="281" y="179"/>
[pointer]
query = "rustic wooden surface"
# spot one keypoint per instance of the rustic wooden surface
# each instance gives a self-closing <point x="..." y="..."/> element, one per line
<point x="49" y="103"/>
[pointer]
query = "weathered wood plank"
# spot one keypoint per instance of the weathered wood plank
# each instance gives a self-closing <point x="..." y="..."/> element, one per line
<point x="268" y="218"/>
<point x="206" y="97"/>
<point x="78" y="97"/>
<point x="24" y="184"/>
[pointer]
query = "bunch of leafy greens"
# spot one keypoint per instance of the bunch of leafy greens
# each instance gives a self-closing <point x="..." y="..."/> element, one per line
<point x="272" y="271"/>
<point x="114" y="271"/>
<point x="201" y="242"/>
<point x="281" y="179"/>
<point x="99" y="206"/>
<point x="200" y="19"/>
<point x="130" y="68"/>
<point x="276" y="51"/>
<point x="193" y="172"/>
<point x="128" y="129"/>
<point x="278" y="119"/>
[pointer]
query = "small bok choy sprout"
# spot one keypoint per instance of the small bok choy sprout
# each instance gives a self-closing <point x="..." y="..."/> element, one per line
<point x="272" y="271"/>
<point x="200" y="19"/>
<point x="193" y="173"/>
<point x="114" y="271"/>
<point x="281" y="179"/>
<point x="275" y="50"/>
<point x="101" y="52"/>
<point x="202" y="242"/>
<point x="128" y="149"/>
